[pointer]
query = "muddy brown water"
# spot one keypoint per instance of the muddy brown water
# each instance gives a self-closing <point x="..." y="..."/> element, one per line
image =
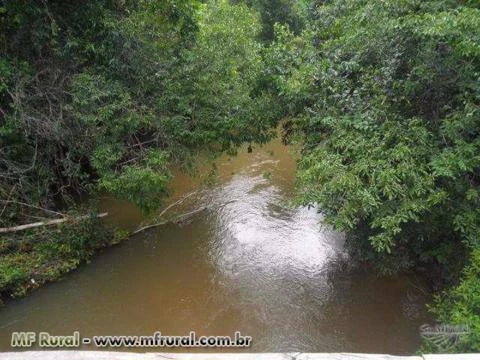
<point x="249" y="262"/>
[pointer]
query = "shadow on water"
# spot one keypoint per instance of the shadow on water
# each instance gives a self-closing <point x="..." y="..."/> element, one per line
<point x="250" y="262"/>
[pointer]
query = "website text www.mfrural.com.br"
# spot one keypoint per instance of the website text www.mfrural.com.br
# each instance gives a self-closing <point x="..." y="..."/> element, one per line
<point x="75" y="340"/>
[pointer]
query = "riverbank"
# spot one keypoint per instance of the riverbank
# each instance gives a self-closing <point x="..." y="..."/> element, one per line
<point x="33" y="257"/>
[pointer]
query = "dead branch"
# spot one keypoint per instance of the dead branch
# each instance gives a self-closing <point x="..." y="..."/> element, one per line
<point x="178" y="202"/>
<point x="181" y="217"/>
<point x="46" y="223"/>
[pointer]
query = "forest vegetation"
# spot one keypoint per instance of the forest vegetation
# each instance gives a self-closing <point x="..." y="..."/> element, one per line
<point x="383" y="97"/>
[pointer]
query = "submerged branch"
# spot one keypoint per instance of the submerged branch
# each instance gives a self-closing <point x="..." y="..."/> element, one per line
<point x="181" y="217"/>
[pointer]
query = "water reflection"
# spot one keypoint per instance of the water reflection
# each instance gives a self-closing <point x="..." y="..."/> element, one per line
<point x="272" y="260"/>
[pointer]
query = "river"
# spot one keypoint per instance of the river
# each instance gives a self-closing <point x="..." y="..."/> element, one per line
<point x="249" y="262"/>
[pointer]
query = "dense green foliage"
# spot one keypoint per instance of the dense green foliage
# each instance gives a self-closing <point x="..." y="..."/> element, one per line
<point x="111" y="92"/>
<point x="386" y="100"/>
<point x="460" y="306"/>
<point x="291" y="13"/>
<point x="78" y="84"/>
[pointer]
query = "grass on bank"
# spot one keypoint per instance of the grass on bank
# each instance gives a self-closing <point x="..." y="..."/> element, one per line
<point x="33" y="257"/>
